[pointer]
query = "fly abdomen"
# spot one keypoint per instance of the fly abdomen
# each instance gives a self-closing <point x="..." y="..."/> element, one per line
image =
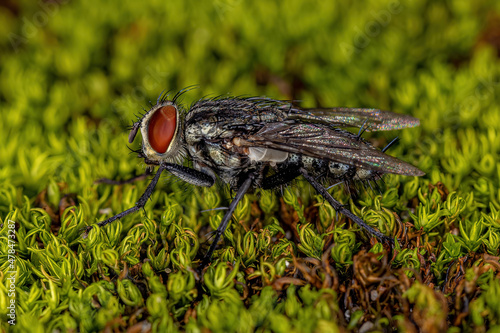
<point x="350" y="172"/>
<point x="365" y="174"/>
<point x="315" y="166"/>
<point x="338" y="169"/>
<point x="327" y="169"/>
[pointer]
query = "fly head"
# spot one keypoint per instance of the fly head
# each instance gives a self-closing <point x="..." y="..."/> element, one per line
<point x="161" y="130"/>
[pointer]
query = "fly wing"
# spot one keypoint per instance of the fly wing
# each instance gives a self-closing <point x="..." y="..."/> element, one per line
<point x="321" y="141"/>
<point x="374" y="119"/>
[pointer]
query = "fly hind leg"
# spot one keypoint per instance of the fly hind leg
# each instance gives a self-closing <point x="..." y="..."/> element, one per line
<point x="341" y="209"/>
<point x="281" y="178"/>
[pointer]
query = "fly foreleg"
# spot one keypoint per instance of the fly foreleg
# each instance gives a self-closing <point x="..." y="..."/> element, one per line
<point x="108" y="181"/>
<point x="189" y="175"/>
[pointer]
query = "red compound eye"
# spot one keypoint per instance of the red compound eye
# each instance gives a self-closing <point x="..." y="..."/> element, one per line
<point x="161" y="128"/>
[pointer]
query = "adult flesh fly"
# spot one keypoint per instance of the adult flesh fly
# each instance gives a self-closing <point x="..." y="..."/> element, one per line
<point x="251" y="143"/>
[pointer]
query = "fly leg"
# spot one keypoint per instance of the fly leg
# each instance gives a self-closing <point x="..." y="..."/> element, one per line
<point x="148" y="172"/>
<point x="108" y="181"/>
<point x="227" y="217"/>
<point x="140" y="203"/>
<point x="190" y="176"/>
<point x="280" y="178"/>
<point x="187" y="174"/>
<point x="340" y="208"/>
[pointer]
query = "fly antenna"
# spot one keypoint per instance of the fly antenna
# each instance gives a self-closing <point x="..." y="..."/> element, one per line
<point x="133" y="131"/>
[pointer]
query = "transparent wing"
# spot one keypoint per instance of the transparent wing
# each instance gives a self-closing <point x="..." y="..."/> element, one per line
<point x="321" y="141"/>
<point x="374" y="119"/>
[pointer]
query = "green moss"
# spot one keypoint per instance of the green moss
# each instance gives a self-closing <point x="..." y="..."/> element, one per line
<point x="74" y="74"/>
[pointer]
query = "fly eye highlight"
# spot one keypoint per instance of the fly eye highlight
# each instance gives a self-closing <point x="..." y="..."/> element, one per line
<point x="161" y="128"/>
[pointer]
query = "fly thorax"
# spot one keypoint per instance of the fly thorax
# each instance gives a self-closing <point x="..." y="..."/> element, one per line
<point x="192" y="134"/>
<point x="216" y="154"/>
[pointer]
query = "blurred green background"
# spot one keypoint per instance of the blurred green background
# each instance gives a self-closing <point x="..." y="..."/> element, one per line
<point x="74" y="74"/>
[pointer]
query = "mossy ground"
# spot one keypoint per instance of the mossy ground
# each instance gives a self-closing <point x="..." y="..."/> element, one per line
<point x="74" y="73"/>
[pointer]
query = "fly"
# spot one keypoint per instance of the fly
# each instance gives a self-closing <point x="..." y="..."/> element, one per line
<point x="263" y="143"/>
